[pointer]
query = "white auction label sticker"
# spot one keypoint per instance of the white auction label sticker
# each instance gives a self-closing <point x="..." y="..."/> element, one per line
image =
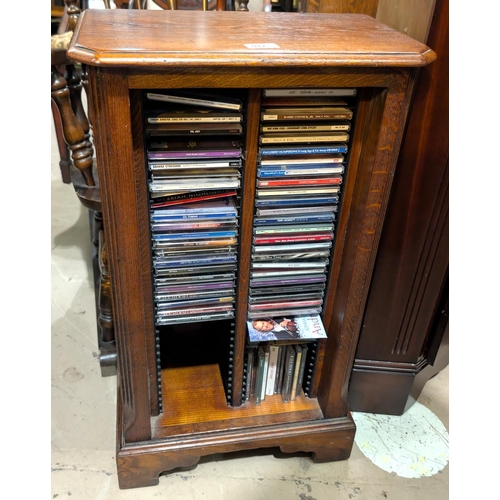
<point x="261" y="46"/>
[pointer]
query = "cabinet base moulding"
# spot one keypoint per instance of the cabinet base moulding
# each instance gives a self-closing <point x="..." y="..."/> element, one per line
<point x="141" y="464"/>
<point x="380" y="389"/>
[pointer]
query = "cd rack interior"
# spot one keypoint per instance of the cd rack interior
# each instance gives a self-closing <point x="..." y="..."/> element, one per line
<point x="195" y="202"/>
<point x="195" y="165"/>
<point x="182" y="384"/>
<point x="302" y="161"/>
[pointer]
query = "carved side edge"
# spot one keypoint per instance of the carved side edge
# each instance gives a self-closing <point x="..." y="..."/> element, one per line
<point x="109" y="99"/>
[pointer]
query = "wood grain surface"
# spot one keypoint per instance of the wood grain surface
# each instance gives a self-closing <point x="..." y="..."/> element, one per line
<point x="195" y="402"/>
<point x="136" y="38"/>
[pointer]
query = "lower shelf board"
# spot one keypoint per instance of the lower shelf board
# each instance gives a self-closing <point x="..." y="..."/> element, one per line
<point x="194" y="402"/>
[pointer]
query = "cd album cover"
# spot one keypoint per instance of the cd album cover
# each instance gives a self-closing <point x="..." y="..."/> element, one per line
<point x="281" y="328"/>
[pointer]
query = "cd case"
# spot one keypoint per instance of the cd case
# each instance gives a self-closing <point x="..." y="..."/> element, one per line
<point x="285" y="328"/>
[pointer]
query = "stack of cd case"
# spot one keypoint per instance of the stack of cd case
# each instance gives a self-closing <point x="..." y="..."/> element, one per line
<point x="303" y="146"/>
<point x="194" y="185"/>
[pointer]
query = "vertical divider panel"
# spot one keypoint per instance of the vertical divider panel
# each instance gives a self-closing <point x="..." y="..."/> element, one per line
<point x="137" y="122"/>
<point x="245" y="243"/>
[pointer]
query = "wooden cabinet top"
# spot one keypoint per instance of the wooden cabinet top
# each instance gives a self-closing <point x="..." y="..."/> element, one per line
<point x="163" y="39"/>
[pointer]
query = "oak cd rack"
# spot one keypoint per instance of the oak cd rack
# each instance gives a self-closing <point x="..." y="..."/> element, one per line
<point x="182" y="378"/>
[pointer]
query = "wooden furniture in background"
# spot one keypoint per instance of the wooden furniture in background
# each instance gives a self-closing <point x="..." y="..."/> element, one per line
<point x="405" y="322"/>
<point x="368" y="7"/>
<point x="195" y="5"/>
<point x="407" y="16"/>
<point x="176" y="401"/>
<point x="61" y="65"/>
<point x="82" y="171"/>
<point x="282" y="6"/>
<point x="404" y="339"/>
<point x="56" y="13"/>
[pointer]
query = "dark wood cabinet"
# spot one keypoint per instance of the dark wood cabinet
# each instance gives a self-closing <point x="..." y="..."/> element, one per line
<point x="180" y="393"/>
<point x="404" y="337"/>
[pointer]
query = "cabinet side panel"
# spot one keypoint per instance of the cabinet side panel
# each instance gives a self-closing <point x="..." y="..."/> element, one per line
<point x="371" y="196"/>
<point x="124" y="204"/>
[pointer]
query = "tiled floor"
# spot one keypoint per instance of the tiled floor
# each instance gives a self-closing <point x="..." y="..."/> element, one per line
<point x="83" y="409"/>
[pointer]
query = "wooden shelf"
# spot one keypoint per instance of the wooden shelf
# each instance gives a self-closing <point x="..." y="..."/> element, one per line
<point x="194" y="402"/>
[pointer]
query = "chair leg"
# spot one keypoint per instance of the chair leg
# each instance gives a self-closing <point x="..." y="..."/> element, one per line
<point x="105" y="323"/>
<point x="96" y="225"/>
<point x="64" y="154"/>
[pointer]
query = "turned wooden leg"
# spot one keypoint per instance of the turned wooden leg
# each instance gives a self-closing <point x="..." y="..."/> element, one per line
<point x="73" y="132"/>
<point x="74" y="11"/>
<point x="105" y="323"/>
<point x="243" y="6"/>
<point x="96" y="227"/>
<point x="75" y="86"/>
<point x="65" y="161"/>
<point x="105" y="313"/>
<point x="105" y="318"/>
